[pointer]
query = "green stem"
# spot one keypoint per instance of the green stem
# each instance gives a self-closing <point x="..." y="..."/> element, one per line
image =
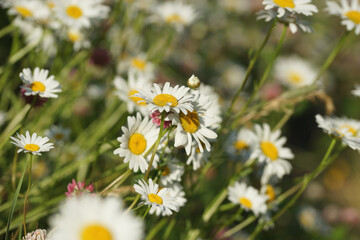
<point x="240" y="226"/>
<point x="6" y="30"/>
<point x="147" y="211"/>
<point x="249" y="69"/>
<point x="307" y="179"/>
<point x="27" y="192"/>
<point x="123" y="176"/>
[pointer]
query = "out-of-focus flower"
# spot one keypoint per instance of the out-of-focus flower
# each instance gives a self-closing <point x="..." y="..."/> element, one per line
<point x="136" y="140"/>
<point x="269" y="149"/>
<point x="156" y="119"/>
<point x="33" y="144"/>
<point x="125" y="90"/>
<point x="347" y="130"/>
<point x="77" y="37"/>
<point x="293" y="6"/>
<point x="38" y="234"/>
<point x="331" y="213"/>
<point x="356" y="91"/>
<point x="58" y="133"/>
<point x="349" y="13"/>
<point x="311" y="220"/>
<point x="176" y="191"/>
<point x="194" y="125"/>
<point x="171" y="173"/>
<point x="33" y="9"/>
<point x="169" y="99"/>
<point x="294" y="72"/>
<point x="77" y="189"/>
<point x="100" y="57"/>
<point x="159" y="200"/>
<point x="239" y="6"/>
<point x="269" y="191"/>
<point x="138" y="64"/>
<point x="349" y="216"/>
<point x="271" y="90"/>
<point x="38" y="83"/>
<point x="248" y="197"/>
<point x="96" y="91"/>
<point x="176" y="13"/>
<point x="241" y="143"/>
<point x="80" y="13"/>
<point x="91" y="217"/>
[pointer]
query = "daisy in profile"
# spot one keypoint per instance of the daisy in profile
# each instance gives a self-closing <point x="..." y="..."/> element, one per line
<point x="294" y="6"/>
<point x="28" y="9"/>
<point x="241" y="143"/>
<point x="171" y="173"/>
<point x="347" y="130"/>
<point x="176" y="13"/>
<point x="38" y="83"/>
<point x="349" y="13"/>
<point x="33" y="144"/>
<point x="80" y="13"/>
<point x="268" y="149"/>
<point x="168" y="99"/>
<point x="294" y="72"/>
<point x="176" y="191"/>
<point x="248" y="197"/>
<point x="38" y="234"/>
<point x="194" y="125"/>
<point x="91" y="217"/>
<point x="197" y="158"/>
<point x="126" y="89"/>
<point x="214" y="110"/>
<point x="137" y="139"/>
<point x="356" y="91"/>
<point x="159" y="200"/>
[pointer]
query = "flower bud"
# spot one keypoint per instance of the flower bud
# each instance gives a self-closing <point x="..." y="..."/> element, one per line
<point x="193" y="82"/>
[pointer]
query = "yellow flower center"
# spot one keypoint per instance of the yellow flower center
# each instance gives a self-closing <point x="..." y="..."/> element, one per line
<point x="269" y="150"/>
<point x="240" y="145"/>
<point x="190" y="122"/>
<point x="166" y="171"/>
<point x="285" y="3"/>
<point x="354" y="16"/>
<point x="270" y="192"/>
<point x="59" y="136"/>
<point x="50" y="4"/>
<point x="163" y="99"/>
<point x="96" y="232"/>
<point x="38" y="86"/>
<point x="32" y="147"/>
<point x="74" y="11"/>
<point x="74" y="36"/>
<point x="295" y="78"/>
<point x="137" y="143"/>
<point x="245" y="202"/>
<point x="349" y="128"/>
<point x="138" y="63"/>
<point x="23" y="11"/>
<point x="174" y="18"/>
<point x="136" y="99"/>
<point x="155" y="199"/>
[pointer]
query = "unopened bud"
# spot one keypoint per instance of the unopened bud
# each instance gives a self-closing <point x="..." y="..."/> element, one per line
<point x="193" y="82"/>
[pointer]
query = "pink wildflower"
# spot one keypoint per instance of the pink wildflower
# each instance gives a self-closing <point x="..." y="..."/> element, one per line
<point x="76" y="189"/>
<point x="156" y="119"/>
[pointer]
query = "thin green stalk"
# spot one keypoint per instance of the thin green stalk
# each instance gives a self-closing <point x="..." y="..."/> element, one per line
<point x="240" y="226"/>
<point x="146" y="212"/>
<point x="6" y="30"/>
<point x="250" y="67"/>
<point x="267" y="71"/>
<point x="13" y="205"/>
<point x="156" y="229"/>
<point x="27" y="192"/>
<point x="307" y="179"/>
<point x="125" y="175"/>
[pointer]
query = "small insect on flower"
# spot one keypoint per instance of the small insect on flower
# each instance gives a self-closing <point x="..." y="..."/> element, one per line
<point x="159" y="200"/>
<point x="248" y="197"/>
<point x="93" y="218"/>
<point x="33" y="144"/>
<point x="38" y="234"/>
<point x="38" y="83"/>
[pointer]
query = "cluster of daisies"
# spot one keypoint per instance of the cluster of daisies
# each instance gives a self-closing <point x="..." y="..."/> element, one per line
<point x="289" y="12"/>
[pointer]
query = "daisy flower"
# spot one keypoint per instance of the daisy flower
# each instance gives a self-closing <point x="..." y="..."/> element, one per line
<point x="356" y="91"/>
<point x="159" y="200"/>
<point x="28" y="9"/>
<point x="294" y="6"/>
<point x="177" y="14"/>
<point x="294" y="72"/>
<point x="77" y="189"/>
<point x="176" y="191"/>
<point x="58" y="133"/>
<point x="91" y="217"/>
<point x="197" y="158"/>
<point x="347" y="130"/>
<point x="269" y="191"/>
<point x="38" y="83"/>
<point x="77" y="37"/>
<point x="174" y="99"/>
<point x="194" y="125"/>
<point x="137" y="139"/>
<point x="138" y="64"/>
<point x="126" y="89"/>
<point x="349" y="13"/>
<point x="269" y="148"/>
<point x="241" y="143"/>
<point x="80" y="13"/>
<point x="248" y="197"/>
<point x="171" y="173"/>
<point x="214" y="110"/>
<point x="33" y="144"/>
<point x="38" y="234"/>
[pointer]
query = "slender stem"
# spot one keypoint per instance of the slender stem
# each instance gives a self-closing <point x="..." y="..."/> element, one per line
<point x="147" y="211"/>
<point x="125" y="175"/>
<point x="250" y="67"/>
<point x="27" y="192"/>
<point x="267" y="71"/>
<point x="240" y="226"/>
<point x="6" y="30"/>
<point x="133" y="203"/>
<point x="307" y="179"/>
